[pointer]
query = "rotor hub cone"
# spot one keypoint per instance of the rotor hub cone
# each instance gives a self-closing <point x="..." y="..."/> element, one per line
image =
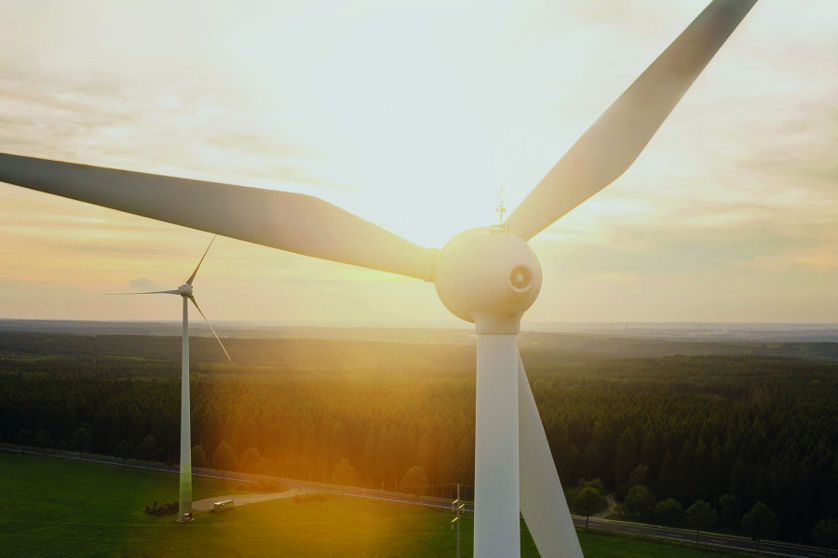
<point x="489" y="277"/>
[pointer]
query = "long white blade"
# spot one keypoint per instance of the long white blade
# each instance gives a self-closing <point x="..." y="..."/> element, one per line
<point x="194" y="273"/>
<point x="617" y="138"/>
<point x="147" y="292"/>
<point x="542" y="498"/>
<point x="294" y="222"/>
<point x="192" y="298"/>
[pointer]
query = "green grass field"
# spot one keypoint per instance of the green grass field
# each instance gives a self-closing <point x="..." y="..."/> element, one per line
<point x="52" y="507"/>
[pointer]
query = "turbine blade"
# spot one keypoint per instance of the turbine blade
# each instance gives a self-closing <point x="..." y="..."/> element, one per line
<point x="192" y="298"/>
<point x="543" y="504"/>
<point x="147" y="292"/>
<point x="194" y="273"/>
<point x="612" y="144"/>
<point x="294" y="222"/>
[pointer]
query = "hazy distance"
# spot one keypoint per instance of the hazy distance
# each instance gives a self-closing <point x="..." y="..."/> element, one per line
<point x="423" y="332"/>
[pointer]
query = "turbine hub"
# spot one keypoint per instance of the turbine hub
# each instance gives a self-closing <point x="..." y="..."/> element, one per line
<point x="489" y="277"/>
<point x="185" y="290"/>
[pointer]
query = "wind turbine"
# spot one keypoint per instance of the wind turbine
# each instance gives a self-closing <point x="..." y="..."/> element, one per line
<point x="186" y="292"/>
<point x="488" y="276"/>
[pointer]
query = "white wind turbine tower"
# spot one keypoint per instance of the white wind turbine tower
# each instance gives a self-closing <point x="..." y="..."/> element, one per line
<point x="488" y="276"/>
<point x="186" y="292"/>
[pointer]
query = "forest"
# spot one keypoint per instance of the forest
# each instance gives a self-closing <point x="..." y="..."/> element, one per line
<point x="727" y="429"/>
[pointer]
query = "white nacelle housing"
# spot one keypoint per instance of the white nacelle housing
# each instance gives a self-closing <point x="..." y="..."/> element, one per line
<point x="489" y="277"/>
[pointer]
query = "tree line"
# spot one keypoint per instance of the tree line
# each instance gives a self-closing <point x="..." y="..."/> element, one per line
<point x="725" y="430"/>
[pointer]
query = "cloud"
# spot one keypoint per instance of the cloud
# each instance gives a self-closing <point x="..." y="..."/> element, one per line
<point x="143" y="284"/>
<point x="163" y="129"/>
<point x="803" y="155"/>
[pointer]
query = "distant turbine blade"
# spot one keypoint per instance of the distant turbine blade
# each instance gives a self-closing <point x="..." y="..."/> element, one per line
<point x="612" y="144"/>
<point x="147" y="292"/>
<point x="194" y="273"/>
<point x="543" y="504"/>
<point x="192" y="298"/>
<point x="294" y="222"/>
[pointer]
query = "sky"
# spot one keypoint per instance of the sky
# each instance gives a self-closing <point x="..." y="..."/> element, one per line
<point x="413" y="114"/>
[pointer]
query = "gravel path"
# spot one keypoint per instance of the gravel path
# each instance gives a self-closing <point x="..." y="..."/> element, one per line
<point x="240" y="499"/>
<point x="612" y="503"/>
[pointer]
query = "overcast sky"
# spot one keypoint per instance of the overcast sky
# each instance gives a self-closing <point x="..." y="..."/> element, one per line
<point x="413" y="115"/>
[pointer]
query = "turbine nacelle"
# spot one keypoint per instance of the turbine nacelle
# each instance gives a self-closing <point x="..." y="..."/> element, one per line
<point x="489" y="277"/>
<point x="185" y="290"/>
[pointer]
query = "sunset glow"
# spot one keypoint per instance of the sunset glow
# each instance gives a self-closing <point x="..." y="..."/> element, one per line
<point x="413" y="117"/>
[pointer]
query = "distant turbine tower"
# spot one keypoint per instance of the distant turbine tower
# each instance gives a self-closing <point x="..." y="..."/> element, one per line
<point x="186" y="292"/>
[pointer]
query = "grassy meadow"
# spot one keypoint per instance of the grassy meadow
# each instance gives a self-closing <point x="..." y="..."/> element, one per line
<point x="53" y="507"/>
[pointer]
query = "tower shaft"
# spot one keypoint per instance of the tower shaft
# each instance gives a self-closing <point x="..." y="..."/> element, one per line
<point x="496" y="468"/>
<point x="185" y="502"/>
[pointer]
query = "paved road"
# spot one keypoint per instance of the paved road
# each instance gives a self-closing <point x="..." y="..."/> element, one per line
<point x="724" y="541"/>
<point x="243" y="477"/>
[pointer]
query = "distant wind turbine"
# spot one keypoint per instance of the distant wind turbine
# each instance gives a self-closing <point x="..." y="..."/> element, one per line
<point x="186" y="293"/>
